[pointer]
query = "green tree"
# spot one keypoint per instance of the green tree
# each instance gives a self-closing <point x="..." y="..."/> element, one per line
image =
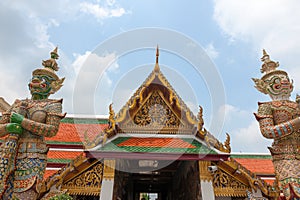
<point x="61" y="197"/>
<point x="145" y="196"/>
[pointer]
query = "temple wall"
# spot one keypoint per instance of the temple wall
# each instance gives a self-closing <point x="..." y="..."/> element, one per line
<point x="186" y="183"/>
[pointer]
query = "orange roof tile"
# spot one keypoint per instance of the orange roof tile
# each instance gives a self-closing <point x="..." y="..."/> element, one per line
<point x="269" y="181"/>
<point x="156" y="142"/>
<point x="63" y="154"/>
<point x="75" y="132"/>
<point x="49" y="173"/>
<point x="258" y="166"/>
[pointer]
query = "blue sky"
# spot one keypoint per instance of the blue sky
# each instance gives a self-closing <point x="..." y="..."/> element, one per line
<point x="231" y="32"/>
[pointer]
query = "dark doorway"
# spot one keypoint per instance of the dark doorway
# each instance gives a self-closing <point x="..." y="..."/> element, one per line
<point x="153" y="177"/>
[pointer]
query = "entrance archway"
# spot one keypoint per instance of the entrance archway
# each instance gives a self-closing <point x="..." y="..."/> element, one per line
<point x="173" y="180"/>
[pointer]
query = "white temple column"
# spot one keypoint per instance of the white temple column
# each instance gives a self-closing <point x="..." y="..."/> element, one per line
<point x="107" y="188"/>
<point x="207" y="189"/>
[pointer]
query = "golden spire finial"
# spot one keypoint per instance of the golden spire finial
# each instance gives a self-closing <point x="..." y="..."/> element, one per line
<point x="156" y="68"/>
<point x="157" y="54"/>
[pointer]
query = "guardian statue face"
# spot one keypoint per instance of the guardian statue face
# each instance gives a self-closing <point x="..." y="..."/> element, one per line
<point x="40" y="86"/>
<point x="45" y="81"/>
<point x="279" y="85"/>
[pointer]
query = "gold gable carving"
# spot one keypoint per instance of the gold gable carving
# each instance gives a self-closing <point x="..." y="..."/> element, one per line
<point x="155" y="115"/>
<point x="155" y="107"/>
<point x="155" y="112"/>
<point x="87" y="183"/>
<point x="226" y="185"/>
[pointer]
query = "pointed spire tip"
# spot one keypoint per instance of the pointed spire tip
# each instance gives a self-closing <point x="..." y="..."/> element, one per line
<point x="156" y="68"/>
<point x="157" y="54"/>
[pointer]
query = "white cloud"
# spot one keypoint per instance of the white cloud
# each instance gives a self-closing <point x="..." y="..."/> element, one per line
<point x="211" y="51"/>
<point x="273" y="25"/>
<point x="120" y="97"/>
<point x="249" y="139"/>
<point x="243" y="129"/>
<point x="101" y="12"/>
<point x="94" y="62"/>
<point x="110" y="2"/>
<point x="19" y="52"/>
<point x="232" y="113"/>
<point x="92" y="86"/>
<point x="25" y="41"/>
<point x="257" y="20"/>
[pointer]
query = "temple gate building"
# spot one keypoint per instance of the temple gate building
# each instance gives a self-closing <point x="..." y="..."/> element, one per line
<point x="154" y="145"/>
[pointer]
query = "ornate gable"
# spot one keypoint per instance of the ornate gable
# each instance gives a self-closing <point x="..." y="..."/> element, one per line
<point x="156" y="108"/>
<point x="226" y="184"/>
<point x="86" y="182"/>
<point x="154" y="112"/>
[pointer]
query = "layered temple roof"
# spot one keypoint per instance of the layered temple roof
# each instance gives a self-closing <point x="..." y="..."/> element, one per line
<point x="156" y="109"/>
<point x="69" y="144"/>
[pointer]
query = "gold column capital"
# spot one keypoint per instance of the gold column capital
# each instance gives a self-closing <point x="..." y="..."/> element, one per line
<point x="109" y="169"/>
<point x="204" y="174"/>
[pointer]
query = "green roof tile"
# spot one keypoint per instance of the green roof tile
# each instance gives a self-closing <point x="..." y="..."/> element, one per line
<point x="53" y="160"/>
<point x="65" y="143"/>
<point x="84" y="121"/>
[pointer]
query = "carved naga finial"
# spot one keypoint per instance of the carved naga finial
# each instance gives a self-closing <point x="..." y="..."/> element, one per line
<point x="111" y="117"/>
<point x="91" y="143"/>
<point x="227" y="144"/>
<point x="210" y="140"/>
<point x="200" y="119"/>
<point x="111" y="120"/>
